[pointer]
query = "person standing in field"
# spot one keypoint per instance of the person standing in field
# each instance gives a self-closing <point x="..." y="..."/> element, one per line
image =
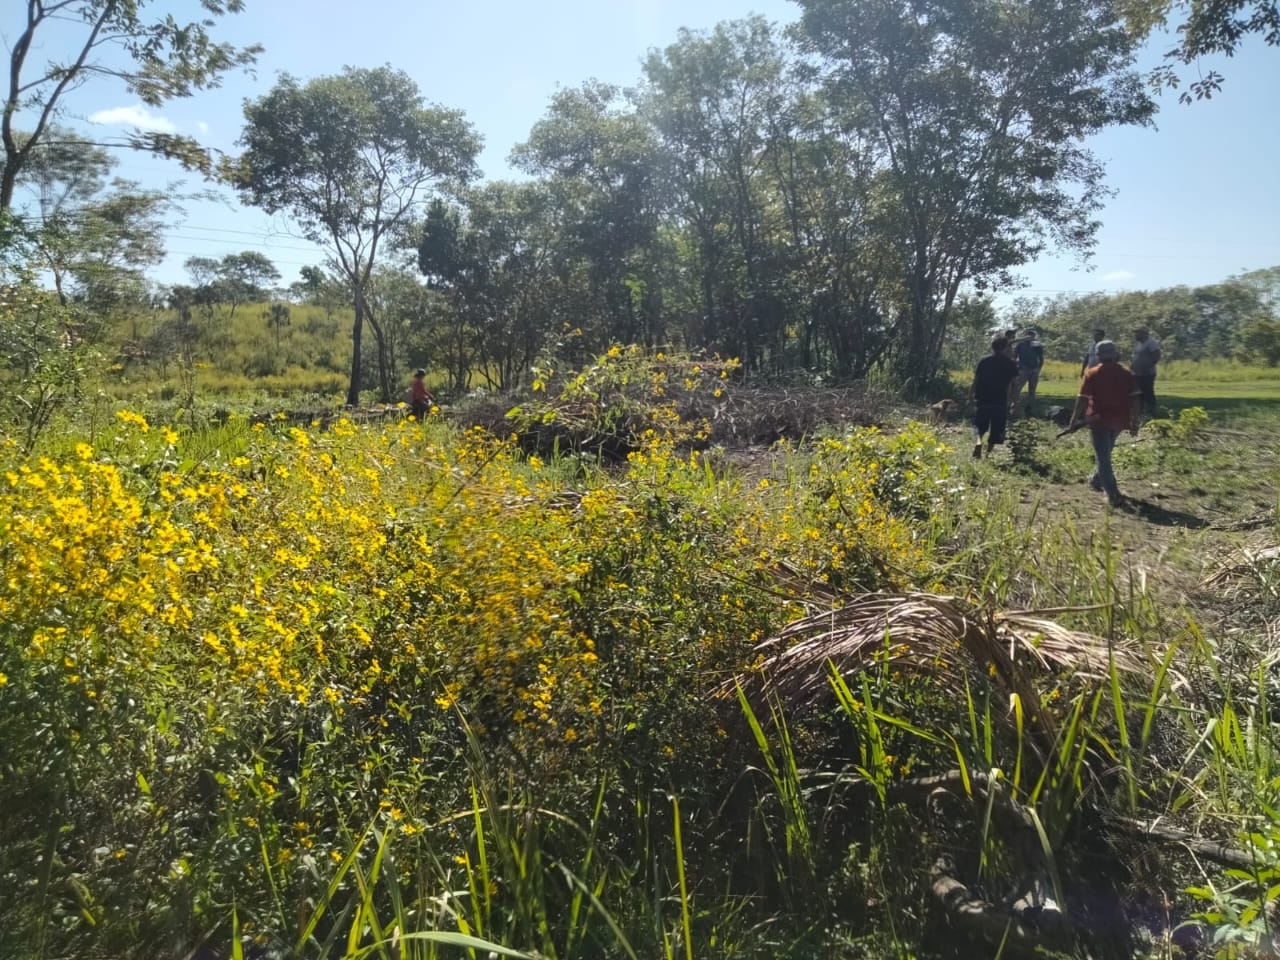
<point x="1029" y="353"/>
<point x="1010" y="343"/>
<point x="1091" y="354"/>
<point x="992" y="395"/>
<point x="1108" y="403"/>
<point x="1146" y="354"/>
<point x="420" y="399"/>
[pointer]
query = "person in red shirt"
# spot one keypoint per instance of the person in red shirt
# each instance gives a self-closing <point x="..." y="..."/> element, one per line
<point x="1109" y="402"/>
<point x="420" y="398"/>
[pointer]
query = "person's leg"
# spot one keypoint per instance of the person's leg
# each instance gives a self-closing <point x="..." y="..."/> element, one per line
<point x="981" y="423"/>
<point x="999" y="424"/>
<point x="1016" y="389"/>
<point x="1147" y="387"/>
<point x="1104" y="442"/>
<point x="1033" y="379"/>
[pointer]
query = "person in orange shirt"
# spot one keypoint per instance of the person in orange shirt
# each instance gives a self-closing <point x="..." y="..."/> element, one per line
<point x="1109" y="402"/>
<point x="420" y="398"/>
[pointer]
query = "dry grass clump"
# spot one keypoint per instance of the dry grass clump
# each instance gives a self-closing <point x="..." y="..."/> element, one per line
<point x="946" y="637"/>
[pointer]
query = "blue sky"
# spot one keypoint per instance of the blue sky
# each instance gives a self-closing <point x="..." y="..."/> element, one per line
<point x="1197" y="197"/>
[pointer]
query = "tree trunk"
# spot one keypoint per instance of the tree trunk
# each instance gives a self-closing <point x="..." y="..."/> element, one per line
<point x="357" y="330"/>
<point x="384" y="373"/>
<point x="8" y="180"/>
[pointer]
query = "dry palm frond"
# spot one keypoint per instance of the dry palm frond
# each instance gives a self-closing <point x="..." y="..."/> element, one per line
<point x="1244" y="560"/>
<point x="944" y="636"/>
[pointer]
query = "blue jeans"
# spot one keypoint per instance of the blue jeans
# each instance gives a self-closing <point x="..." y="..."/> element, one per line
<point x="1104" y="477"/>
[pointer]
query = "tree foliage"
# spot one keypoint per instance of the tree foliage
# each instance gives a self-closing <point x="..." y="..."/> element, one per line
<point x="492" y="258"/>
<point x="94" y="234"/>
<point x="235" y="279"/>
<point x="980" y="112"/>
<point x="156" y="58"/>
<point x="1204" y="28"/>
<point x="1233" y="318"/>
<point x="351" y="158"/>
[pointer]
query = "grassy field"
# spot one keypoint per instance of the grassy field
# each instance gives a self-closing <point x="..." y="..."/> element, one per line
<point x="408" y="689"/>
<point x="1222" y="387"/>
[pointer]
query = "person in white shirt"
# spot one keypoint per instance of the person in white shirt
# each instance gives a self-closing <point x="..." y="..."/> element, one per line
<point x="1146" y="354"/>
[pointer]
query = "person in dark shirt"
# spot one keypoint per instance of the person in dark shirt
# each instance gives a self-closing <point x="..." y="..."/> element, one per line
<point x="1029" y="354"/>
<point x="992" y="395"/>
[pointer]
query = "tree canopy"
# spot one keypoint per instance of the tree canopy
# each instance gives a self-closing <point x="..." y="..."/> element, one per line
<point x="156" y="58"/>
<point x="352" y="158"/>
<point x="1203" y="28"/>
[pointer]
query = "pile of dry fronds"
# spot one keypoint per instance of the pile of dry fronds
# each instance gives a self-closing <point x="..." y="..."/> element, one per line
<point x="951" y="640"/>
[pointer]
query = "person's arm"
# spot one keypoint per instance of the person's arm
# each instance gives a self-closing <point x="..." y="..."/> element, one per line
<point x="1077" y="415"/>
<point x="1082" y="404"/>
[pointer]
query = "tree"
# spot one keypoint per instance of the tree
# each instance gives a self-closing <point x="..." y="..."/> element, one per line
<point x="600" y="162"/>
<point x="493" y="260"/>
<point x="351" y="158"/>
<point x="95" y="237"/>
<point x="236" y="279"/>
<point x="277" y="316"/>
<point x="1260" y="341"/>
<point x="157" y="60"/>
<point x="1208" y="27"/>
<point x="980" y="110"/>
<point x="714" y="100"/>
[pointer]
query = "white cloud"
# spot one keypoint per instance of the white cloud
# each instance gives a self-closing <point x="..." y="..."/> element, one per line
<point x="1119" y="276"/>
<point x="134" y="116"/>
<point x="202" y="127"/>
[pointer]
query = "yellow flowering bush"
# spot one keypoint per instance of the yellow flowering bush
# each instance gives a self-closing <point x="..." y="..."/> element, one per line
<point x="221" y="654"/>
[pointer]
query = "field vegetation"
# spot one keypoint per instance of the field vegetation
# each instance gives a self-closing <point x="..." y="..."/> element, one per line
<point x="676" y="625"/>
<point x="341" y="690"/>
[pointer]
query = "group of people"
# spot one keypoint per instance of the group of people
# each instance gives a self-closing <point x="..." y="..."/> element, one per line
<point x="1112" y="398"/>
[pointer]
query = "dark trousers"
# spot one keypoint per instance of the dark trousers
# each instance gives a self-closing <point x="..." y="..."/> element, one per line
<point x="1147" y="385"/>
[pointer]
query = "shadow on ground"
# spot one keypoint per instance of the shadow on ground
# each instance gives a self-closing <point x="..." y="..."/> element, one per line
<point x="1162" y="516"/>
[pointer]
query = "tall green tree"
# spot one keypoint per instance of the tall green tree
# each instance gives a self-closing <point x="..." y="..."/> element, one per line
<point x="600" y="161"/>
<point x="235" y="279"/>
<point x="58" y="45"/>
<point x="94" y="235"/>
<point x="352" y="158"/>
<point x="981" y="109"/>
<point x="713" y="99"/>
<point x="494" y="260"/>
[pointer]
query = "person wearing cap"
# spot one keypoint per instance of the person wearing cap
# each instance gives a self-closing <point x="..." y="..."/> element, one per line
<point x="1146" y="354"/>
<point x="992" y="395"/>
<point x="1108" y="403"/>
<point x="1091" y="354"/>
<point x="420" y="399"/>
<point x="1029" y="353"/>
<point x="1011" y="343"/>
